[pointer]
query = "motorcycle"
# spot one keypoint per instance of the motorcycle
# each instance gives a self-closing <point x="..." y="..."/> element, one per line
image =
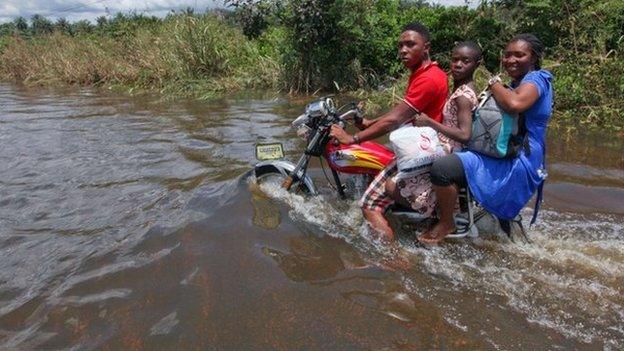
<point x="362" y="162"/>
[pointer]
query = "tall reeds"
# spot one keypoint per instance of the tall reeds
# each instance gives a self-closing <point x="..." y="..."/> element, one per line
<point x="185" y="55"/>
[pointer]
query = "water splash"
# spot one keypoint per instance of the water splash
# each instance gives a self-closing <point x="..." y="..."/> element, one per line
<point x="569" y="279"/>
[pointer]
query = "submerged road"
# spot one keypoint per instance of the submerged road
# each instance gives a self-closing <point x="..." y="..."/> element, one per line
<point x="125" y="224"/>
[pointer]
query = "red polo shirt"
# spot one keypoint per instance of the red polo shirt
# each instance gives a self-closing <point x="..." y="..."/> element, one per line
<point x="426" y="90"/>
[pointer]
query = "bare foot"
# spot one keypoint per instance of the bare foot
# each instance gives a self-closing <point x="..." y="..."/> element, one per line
<point x="436" y="234"/>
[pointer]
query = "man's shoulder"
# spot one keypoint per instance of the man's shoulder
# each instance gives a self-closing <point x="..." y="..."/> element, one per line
<point x="436" y="72"/>
<point x="432" y="72"/>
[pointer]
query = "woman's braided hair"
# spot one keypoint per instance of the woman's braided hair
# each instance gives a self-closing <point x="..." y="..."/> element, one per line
<point x="537" y="48"/>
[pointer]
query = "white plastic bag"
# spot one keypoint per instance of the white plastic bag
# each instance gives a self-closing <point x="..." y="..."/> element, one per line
<point x="415" y="149"/>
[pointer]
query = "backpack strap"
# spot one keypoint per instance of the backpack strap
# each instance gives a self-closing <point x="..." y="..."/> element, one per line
<point x="482" y="98"/>
<point x="540" y="192"/>
<point x="538" y="202"/>
<point x="524" y="133"/>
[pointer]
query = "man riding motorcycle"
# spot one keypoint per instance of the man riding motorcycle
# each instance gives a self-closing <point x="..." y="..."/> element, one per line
<point x="426" y="93"/>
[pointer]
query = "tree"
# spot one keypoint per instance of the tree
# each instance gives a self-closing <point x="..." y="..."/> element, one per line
<point x="40" y="25"/>
<point x="252" y="15"/>
<point x="82" y="27"/>
<point x="21" y="25"/>
<point x="62" y="26"/>
<point x="101" y="22"/>
<point x="7" y="28"/>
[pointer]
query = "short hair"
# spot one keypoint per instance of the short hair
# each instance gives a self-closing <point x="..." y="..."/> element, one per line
<point x="418" y="28"/>
<point x="537" y="48"/>
<point x="472" y="46"/>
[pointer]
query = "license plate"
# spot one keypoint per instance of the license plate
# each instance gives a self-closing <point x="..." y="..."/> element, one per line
<point x="269" y="151"/>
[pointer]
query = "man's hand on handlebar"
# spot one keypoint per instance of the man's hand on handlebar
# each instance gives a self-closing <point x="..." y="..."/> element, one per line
<point x="339" y="134"/>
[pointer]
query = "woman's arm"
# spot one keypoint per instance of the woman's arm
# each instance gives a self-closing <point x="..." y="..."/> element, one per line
<point x="517" y="100"/>
<point x="464" y="122"/>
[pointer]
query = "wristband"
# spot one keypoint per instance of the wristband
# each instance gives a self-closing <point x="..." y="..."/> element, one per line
<point x="495" y="79"/>
<point x="356" y="139"/>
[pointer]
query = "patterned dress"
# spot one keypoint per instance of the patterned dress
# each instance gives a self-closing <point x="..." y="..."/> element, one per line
<point x="417" y="191"/>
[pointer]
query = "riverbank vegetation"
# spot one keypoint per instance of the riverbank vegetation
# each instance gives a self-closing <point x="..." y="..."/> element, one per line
<point x="319" y="46"/>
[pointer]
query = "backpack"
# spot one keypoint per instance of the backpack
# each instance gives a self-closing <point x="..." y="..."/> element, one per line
<point x="495" y="132"/>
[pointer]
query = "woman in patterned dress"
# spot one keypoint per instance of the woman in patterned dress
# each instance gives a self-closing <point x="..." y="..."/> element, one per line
<point x="454" y="131"/>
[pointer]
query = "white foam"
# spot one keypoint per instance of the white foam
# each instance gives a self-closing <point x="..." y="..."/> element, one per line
<point x="335" y="217"/>
<point x="566" y="280"/>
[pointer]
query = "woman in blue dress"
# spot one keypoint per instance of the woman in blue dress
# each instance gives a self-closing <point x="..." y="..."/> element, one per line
<point x="501" y="185"/>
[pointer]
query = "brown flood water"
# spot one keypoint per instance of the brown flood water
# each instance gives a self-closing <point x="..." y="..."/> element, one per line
<point x="125" y="223"/>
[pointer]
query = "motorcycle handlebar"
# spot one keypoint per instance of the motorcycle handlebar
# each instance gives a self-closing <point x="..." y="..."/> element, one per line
<point x="354" y="114"/>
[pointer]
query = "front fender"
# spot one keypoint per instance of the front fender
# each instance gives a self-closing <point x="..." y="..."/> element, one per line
<point x="285" y="168"/>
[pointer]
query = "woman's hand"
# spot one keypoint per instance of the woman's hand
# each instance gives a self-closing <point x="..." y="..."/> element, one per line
<point x="422" y="120"/>
<point x="340" y="135"/>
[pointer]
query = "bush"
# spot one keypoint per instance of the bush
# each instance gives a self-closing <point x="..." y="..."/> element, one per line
<point x="326" y="45"/>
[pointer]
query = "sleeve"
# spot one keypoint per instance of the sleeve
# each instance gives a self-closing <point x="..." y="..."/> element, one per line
<point x="471" y="95"/>
<point x="538" y="79"/>
<point x="420" y="93"/>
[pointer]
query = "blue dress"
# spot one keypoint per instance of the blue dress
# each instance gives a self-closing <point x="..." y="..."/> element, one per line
<point x="504" y="186"/>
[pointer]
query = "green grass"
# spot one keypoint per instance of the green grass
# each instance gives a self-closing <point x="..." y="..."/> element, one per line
<point x="196" y="56"/>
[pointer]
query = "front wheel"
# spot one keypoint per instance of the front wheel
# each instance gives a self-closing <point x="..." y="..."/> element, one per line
<point x="274" y="175"/>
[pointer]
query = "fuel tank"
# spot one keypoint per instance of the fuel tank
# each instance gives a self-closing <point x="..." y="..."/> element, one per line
<point x="366" y="158"/>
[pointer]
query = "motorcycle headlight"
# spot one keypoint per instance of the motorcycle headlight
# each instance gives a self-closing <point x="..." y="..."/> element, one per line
<point x="317" y="108"/>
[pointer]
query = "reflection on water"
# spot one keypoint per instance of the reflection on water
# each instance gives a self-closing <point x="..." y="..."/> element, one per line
<point x="266" y="213"/>
<point x="126" y="223"/>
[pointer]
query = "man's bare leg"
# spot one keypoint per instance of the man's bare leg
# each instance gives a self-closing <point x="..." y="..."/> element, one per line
<point x="447" y="197"/>
<point x="392" y="190"/>
<point x="379" y="223"/>
<point x="390" y="187"/>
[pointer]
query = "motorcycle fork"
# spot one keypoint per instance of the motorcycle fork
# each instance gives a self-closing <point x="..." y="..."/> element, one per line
<point x="302" y="165"/>
<point x="298" y="173"/>
<point x="339" y="186"/>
